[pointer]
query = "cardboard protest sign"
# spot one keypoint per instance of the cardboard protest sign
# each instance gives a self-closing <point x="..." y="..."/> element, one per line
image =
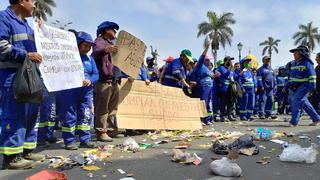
<point x="158" y="107"/>
<point x="61" y="66"/>
<point x="130" y="55"/>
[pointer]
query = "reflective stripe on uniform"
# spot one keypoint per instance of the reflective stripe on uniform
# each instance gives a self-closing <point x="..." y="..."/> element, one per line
<point x="176" y="72"/>
<point x="30" y="145"/>
<point x="21" y="37"/>
<point x="248" y="85"/>
<point x="243" y="111"/>
<point x="301" y="68"/>
<point x="83" y="127"/>
<point x="11" y="150"/>
<point x="299" y="79"/>
<point x="9" y="65"/>
<point x="46" y="124"/>
<point x="67" y="129"/>
<point x="171" y="77"/>
<point x="312" y="79"/>
<point x="280" y="84"/>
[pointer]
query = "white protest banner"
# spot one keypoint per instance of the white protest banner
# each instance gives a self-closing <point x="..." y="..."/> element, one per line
<point x="158" y="107"/>
<point x="130" y="55"/>
<point x="61" y="66"/>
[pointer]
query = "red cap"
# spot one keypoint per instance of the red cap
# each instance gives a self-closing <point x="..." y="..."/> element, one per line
<point x="169" y="59"/>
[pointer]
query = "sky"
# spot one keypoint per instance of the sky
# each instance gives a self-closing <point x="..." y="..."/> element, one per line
<point x="171" y="25"/>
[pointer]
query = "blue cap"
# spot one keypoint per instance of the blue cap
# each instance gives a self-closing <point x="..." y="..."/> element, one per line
<point x="83" y="36"/>
<point x="107" y="25"/>
<point x="304" y="51"/>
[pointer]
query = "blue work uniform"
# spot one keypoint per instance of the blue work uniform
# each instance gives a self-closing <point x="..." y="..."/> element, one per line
<point x="302" y="81"/>
<point x="224" y="91"/>
<point x="282" y="98"/>
<point x="246" y="82"/>
<point x="215" y="97"/>
<point x="152" y="74"/>
<point x="256" y="96"/>
<point x="236" y="78"/>
<point x="47" y="117"/>
<point x="143" y="75"/>
<point x="204" y="81"/>
<point x="174" y="73"/>
<point x="18" y="120"/>
<point x="266" y="82"/>
<point x="75" y="105"/>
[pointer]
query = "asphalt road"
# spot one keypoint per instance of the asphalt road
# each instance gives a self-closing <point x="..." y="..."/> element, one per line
<point x="155" y="163"/>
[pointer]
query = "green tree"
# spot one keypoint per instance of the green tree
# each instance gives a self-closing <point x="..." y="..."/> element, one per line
<point x="217" y="31"/>
<point x="43" y="8"/>
<point x="308" y="35"/>
<point x="269" y="45"/>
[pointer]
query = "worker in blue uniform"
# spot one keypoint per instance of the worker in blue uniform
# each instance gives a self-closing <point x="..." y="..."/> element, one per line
<point x="256" y="96"/>
<point x="204" y="78"/>
<point x="175" y="71"/>
<point x="47" y="120"/>
<point x="266" y="85"/>
<point x="237" y="71"/>
<point x="18" y="120"/>
<point x="246" y="82"/>
<point x="225" y="79"/>
<point x="282" y="98"/>
<point x="302" y="83"/>
<point x="152" y="71"/>
<point x="75" y="105"/>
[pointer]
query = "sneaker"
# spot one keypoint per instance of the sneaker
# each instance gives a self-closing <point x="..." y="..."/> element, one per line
<point x="16" y="163"/>
<point x="71" y="146"/>
<point x="88" y="144"/>
<point x="34" y="157"/>
<point x="104" y="137"/>
<point x="232" y="118"/>
<point x="43" y="144"/>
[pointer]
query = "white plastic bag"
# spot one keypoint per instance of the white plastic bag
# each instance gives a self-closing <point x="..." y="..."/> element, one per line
<point x="131" y="145"/>
<point x="225" y="167"/>
<point x="295" y="153"/>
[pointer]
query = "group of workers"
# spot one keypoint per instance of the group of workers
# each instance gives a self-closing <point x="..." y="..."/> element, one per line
<point x="228" y="89"/>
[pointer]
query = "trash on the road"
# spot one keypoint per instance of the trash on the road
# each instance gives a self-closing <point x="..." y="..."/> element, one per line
<point x="90" y="175"/>
<point x="278" y="141"/>
<point x="185" y="157"/>
<point x="127" y="178"/>
<point x="77" y="158"/>
<point x="145" y="146"/>
<point x="131" y="145"/>
<point x="243" y="144"/>
<point x="161" y="142"/>
<point x="263" y="162"/>
<point x="121" y="171"/>
<point x="48" y="174"/>
<point x="305" y="136"/>
<point x="233" y="135"/>
<point x="263" y="134"/>
<point x="182" y="145"/>
<point x="91" y="168"/>
<point x="225" y="167"/>
<point x="130" y="175"/>
<point x="233" y="155"/>
<point x="295" y="153"/>
<point x="262" y="146"/>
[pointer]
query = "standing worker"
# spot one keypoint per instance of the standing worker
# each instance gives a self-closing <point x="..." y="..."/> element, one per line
<point x="302" y="82"/>
<point x="266" y="84"/>
<point x="246" y="82"/>
<point x="282" y="98"/>
<point x="18" y="120"/>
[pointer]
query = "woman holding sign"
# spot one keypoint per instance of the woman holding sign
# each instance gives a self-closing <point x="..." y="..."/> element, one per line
<point x="75" y="105"/>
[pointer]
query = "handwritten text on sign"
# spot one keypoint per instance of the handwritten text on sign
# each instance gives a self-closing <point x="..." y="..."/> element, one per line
<point x="61" y="66"/>
<point x="130" y="54"/>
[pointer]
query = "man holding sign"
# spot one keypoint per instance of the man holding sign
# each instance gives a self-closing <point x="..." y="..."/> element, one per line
<point x="107" y="89"/>
<point x="18" y="120"/>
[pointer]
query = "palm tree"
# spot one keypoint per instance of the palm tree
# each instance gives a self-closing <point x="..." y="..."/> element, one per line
<point x="217" y="31"/>
<point x="43" y="8"/>
<point x="308" y="35"/>
<point x="269" y="45"/>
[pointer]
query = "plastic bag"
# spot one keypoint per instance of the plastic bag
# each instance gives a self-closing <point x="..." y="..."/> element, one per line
<point x="263" y="134"/>
<point x="225" y="167"/>
<point x="131" y="145"/>
<point x="295" y="153"/>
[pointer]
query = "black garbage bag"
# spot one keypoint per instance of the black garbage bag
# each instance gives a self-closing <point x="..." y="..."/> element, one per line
<point x="219" y="147"/>
<point x="27" y="85"/>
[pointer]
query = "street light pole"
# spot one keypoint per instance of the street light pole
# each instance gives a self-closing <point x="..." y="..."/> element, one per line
<point x="239" y="45"/>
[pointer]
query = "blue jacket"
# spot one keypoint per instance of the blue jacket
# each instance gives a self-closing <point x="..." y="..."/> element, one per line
<point x="16" y="40"/>
<point x="225" y="78"/>
<point x="246" y="81"/>
<point x="202" y="74"/>
<point x="302" y="73"/>
<point x="266" y="77"/>
<point x="281" y="82"/>
<point x="237" y="74"/>
<point x="90" y="68"/>
<point x="143" y="73"/>
<point x="174" y="73"/>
